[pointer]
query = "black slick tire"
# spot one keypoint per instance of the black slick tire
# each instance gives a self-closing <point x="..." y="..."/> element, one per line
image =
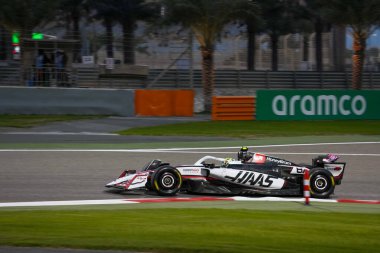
<point x="166" y="181"/>
<point x="322" y="183"/>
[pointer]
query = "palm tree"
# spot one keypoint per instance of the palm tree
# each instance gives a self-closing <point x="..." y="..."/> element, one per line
<point x="206" y="19"/>
<point x="278" y="20"/>
<point x="23" y="16"/>
<point x="254" y="25"/>
<point x="127" y="13"/>
<point x="313" y="11"/>
<point x="305" y="25"/>
<point x="362" y="17"/>
<point x="106" y="14"/>
<point x="73" y="10"/>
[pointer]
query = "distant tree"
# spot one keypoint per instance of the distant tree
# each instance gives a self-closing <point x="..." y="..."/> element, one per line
<point x="278" y="20"/>
<point x="106" y="14"/>
<point x="23" y="16"/>
<point x="362" y="17"/>
<point x="206" y="19"/>
<point x="304" y="25"/>
<point x="314" y="12"/>
<point x="127" y="13"/>
<point x="72" y="11"/>
<point x="254" y="25"/>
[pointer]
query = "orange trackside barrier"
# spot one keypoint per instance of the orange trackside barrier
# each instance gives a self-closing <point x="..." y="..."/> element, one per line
<point x="233" y="108"/>
<point x="164" y="102"/>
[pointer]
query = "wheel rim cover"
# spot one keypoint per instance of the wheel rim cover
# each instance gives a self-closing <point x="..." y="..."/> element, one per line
<point x="320" y="183"/>
<point x="168" y="181"/>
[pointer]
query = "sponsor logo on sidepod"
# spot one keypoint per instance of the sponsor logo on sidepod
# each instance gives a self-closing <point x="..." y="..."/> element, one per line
<point x="252" y="178"/>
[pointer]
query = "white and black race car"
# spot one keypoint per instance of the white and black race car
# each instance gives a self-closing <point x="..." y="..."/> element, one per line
<point x="251" y="173"/>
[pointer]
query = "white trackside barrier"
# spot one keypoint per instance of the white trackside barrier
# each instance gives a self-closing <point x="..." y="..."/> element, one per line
<point x="306" y="186"/>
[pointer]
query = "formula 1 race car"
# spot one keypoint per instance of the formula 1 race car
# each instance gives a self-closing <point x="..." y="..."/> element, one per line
<point x="251" y="173"/>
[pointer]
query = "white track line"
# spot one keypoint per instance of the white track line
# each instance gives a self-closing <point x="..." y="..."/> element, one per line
<point x="168" y="200"/>
<point x="182" y="149"/>
<point x="264" y="152"/>
<point x="278" y="145"/>
<point x="136" y="201"/>
<point x="68" y="203"/>
<point x="278" y="199"/>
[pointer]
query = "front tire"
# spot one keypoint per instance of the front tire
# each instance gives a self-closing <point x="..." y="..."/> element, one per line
<point x="166" y="181"/>
<point x="322" y="183"/>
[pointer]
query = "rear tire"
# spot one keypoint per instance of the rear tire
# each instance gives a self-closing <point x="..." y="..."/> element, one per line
<point x="166" y="181"/>
<point x="322" y="183"/>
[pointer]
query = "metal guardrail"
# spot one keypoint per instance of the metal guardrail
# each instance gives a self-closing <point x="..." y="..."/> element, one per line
<point x="9" y="75"/>
<point x="96" y="78"/>
<point x="268" y="79"/>
<point x="172" y="79"/>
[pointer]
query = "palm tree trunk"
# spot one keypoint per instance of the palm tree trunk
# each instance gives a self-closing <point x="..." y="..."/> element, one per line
<point x="128" y="42"/>
<point x="305" y="55"/>
<point x="207" y="77"/>
<point x="109" y="37"/>
<point x="318" y="45"/>
<point x="251" y="47"/>
<point x="274" y="44"/>
<point x="76" y="35"/>
<point x="359" y="46"/>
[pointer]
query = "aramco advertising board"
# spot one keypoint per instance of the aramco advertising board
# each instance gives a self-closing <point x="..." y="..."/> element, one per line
<point x="317" y="104"/>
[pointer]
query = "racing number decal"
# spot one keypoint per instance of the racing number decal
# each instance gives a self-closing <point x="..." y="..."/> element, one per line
<point x="252" y="178"/>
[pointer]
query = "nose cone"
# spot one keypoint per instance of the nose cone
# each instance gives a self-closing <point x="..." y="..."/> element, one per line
<point x="111" y="184"/>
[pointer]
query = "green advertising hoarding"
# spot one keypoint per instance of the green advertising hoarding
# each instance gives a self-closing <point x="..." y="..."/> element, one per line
<point x="317" y="104"/>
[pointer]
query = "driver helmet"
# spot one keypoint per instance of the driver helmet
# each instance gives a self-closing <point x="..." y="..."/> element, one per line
<point x="243" y="154"/>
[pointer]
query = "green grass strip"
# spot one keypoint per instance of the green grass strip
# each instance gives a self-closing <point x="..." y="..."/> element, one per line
<point x="35" y="120"/>
<point x="193" y="230"/>
<point x="249" y="129"/>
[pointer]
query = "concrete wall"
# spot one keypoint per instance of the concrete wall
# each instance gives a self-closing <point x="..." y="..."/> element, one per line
<point x="36" y="100"/>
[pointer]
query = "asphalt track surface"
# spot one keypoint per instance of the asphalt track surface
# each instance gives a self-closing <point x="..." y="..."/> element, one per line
<point x="81" y="175"/>
<point x="39" y="176"/>
<point x="47" y="175"/>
